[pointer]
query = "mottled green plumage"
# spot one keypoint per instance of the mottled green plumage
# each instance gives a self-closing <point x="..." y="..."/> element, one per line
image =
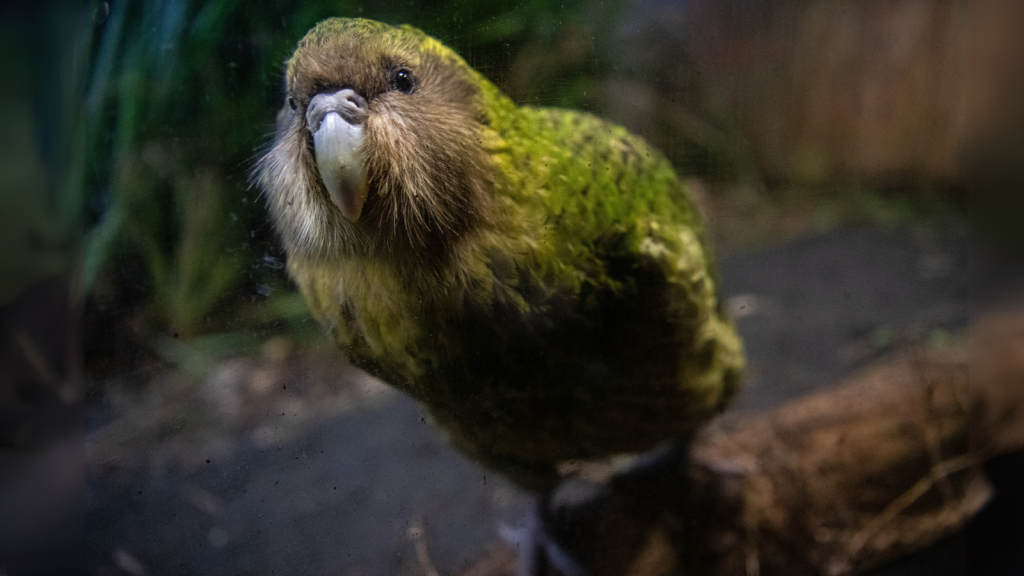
<point x="567" y="310"/>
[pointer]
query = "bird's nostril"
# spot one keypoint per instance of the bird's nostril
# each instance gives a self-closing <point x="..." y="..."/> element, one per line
<point x="353" y="97"/>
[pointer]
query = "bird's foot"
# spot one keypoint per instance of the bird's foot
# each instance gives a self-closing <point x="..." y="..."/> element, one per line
<point x="540" y="553"/>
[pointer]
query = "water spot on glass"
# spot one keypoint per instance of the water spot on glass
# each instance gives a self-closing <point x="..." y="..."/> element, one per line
<point x="272" y="262"/>
<point x="217" y="537"/>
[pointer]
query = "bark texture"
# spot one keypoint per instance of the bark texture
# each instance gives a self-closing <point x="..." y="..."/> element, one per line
<point x="839" y="482"/>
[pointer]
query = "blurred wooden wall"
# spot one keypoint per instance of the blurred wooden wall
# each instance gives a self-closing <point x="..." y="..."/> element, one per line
<point x="877" y="90"/>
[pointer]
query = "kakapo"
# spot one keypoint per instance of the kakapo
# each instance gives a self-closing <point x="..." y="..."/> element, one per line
<point x="537" y="278"/>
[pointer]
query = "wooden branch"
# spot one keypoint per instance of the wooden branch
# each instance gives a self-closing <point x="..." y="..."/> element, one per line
<point x="997" y="384"/>
<point x="836" y="483"/>
<point x="841" y="481"/>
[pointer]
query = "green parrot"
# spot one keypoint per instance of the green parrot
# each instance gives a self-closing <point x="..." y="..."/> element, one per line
<point x="537" y="278"/>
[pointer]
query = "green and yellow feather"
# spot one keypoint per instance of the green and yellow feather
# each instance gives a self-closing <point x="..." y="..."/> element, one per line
<point x="569" y="310"/>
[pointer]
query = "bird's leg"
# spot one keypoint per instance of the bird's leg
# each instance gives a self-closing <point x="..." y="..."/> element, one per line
<point x="539" y="550"/>
<point x="540" y="553"/>
<point x="589" y="527"/>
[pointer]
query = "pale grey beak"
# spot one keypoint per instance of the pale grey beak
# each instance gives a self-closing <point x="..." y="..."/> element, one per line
<point x="336" y="122"/>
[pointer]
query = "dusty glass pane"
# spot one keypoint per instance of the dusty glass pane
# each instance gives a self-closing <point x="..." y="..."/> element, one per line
<point x="178" y="322"/>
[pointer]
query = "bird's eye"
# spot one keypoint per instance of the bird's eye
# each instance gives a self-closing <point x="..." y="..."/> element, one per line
<point x="404" y="81"/>
<point x="291" y="102"/>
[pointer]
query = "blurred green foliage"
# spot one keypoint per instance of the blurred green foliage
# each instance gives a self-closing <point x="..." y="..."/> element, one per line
<point x="40" y="141"/>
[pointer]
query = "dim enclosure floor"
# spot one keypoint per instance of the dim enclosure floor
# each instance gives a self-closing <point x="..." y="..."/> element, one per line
<point x="363" y="493"/>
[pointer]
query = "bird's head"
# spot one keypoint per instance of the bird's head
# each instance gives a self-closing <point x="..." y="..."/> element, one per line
<point x="378" y="148"/>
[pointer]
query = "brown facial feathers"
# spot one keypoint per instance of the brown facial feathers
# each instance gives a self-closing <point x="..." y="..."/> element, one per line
<point x="428" y="174"/>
